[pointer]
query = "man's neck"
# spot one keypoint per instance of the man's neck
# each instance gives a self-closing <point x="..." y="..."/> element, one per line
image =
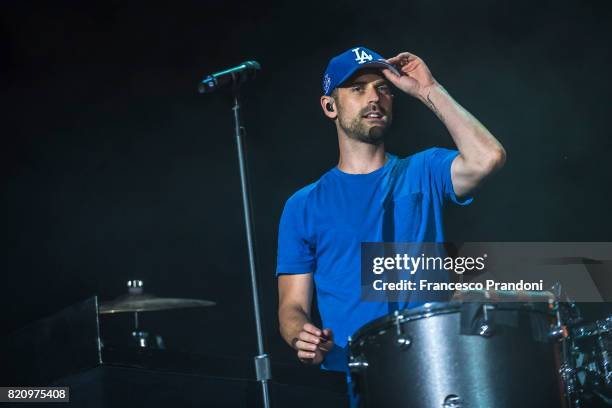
<point x="359" y="157"/>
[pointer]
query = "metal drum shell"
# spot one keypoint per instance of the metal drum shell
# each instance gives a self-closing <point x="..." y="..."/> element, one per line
<point x="419" y="358"/>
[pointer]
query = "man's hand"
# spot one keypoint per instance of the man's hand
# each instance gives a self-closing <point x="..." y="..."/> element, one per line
<point x="480" y="154"/>
<point x="415" y="77"/>
<point x="312" y="344"/>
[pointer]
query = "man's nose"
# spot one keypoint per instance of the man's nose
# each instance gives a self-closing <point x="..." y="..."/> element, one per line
<point x="373" y="95"/>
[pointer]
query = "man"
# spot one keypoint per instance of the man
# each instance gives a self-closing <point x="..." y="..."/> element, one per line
<point x="370" y="196"/>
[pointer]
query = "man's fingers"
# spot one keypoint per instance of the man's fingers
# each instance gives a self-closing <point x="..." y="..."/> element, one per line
<point x="390" y="75"/>
<point x="395" y="60"/>
<point x="303" y="345"/>
<point x="309" y="338"/>
<point x="306" y="354"/>
<point x="313" y="343"/>
<point x="404" y="55"/>
<point x="394" y="79"/>
<point x="311" y="329"/>
<point x="327" y="342"/>
<point x="402" y="59"/>
<point x="328" y="334"/>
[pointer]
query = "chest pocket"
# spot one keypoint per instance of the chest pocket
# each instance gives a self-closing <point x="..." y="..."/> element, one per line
<point x="403" y="218"/>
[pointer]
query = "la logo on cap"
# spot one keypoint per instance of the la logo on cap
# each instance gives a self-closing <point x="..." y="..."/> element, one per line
<point x="363" y="57"/>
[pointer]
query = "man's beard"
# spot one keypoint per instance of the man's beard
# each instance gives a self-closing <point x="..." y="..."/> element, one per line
<point x="357" y="129"/>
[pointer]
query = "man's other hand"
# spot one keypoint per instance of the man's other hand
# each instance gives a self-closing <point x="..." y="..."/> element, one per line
<point x="312" y="344"/>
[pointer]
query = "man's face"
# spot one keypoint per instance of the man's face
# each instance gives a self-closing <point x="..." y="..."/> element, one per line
<point x="365" y="103"/>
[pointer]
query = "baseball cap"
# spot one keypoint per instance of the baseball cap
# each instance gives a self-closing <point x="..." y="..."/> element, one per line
<point x="342" y="66"/>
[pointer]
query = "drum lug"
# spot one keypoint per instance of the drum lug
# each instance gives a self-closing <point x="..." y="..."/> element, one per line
<point x="357" y="364"/>
<point x="404" y="342"/>
<point x="452" y="401"/>
<point x="487" y="328"/>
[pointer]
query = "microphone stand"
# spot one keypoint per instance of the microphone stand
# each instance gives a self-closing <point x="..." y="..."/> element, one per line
<point x="262" y="361"/>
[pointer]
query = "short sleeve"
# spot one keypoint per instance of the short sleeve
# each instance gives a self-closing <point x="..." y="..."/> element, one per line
<point x="439" y="161"/>
<point x="295" y="251"/>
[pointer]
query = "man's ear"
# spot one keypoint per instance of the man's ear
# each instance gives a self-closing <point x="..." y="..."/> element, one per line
<point x="329" y="107"/>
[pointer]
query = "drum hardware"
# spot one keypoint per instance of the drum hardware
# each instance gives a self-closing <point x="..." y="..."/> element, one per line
<point x="403" y="341"/>
<point x="558" y="333"/>
<point x="493" y="296"/>
<point x="564" y="315"/>
<point x="600" y="331"/>
<point x="147" y="340"/>
<point x="591" y="352"/>
<point x="572" y="390"/>
<point x="586" y="368"/>
<point x="357" y="364"/>
<point x="606" y="363"/>
<point x="487" y="328"/>
<point x="452" y="401"/>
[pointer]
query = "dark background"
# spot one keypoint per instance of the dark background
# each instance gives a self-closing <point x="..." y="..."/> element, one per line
<point x="114" y="168"/>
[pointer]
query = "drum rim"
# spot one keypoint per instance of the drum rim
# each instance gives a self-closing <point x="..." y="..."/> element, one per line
<point x="421" y="312"/>
<point x="427" y="310"/>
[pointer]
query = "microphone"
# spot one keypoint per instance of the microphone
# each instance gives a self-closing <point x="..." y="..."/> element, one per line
<point x="238" y="75"/>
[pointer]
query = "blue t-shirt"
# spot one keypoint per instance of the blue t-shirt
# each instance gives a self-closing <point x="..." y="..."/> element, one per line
<point x="324" y="224"/>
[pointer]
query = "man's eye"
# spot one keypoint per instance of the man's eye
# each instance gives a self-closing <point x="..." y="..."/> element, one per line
<point x="356" y="88"/>
<point x="384" y="89"/>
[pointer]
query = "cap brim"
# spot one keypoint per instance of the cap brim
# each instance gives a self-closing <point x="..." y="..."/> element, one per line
<point x="372" y="64"/>
<point x="381" y="64"/>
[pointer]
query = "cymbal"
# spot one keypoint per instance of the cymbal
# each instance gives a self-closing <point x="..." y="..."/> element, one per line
<point x="149" y="303"/>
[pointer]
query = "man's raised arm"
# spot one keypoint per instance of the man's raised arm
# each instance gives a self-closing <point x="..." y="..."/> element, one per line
<point x="480" y="153"/>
